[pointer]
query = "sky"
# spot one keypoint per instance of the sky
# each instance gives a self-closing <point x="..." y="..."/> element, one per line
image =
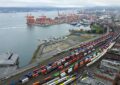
<point x="58" y="3"/>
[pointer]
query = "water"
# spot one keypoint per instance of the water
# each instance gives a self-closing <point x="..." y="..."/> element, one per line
<point x="17" y="37"/>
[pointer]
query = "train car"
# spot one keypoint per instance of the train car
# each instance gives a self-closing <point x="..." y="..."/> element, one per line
<point x="51" y="81"/>
<point x="44" y="71"/>
<point x="29" y="74"/>
<point x="68" y="81"/>
<point x="59" y="81"/>
<point x="48" y="78"/>
<point x="42" y="67"/>
<point x="36" y="83"/>
<point x="60" y="67"/>
<point x="76" y="66"/>
<point x="70" y="70"/>
<point x="63" y="74"/>
<point x="56" y="74"/>
<point x="24" y="80"/>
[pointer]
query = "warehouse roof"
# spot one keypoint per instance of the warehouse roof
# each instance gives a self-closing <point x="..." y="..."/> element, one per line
<point x="8" y="59"/>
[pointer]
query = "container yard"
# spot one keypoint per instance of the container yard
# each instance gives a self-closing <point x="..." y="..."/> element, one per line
<point x="71" y="18"/>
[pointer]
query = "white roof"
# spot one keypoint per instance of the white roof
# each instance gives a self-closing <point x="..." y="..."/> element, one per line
<point x="8" y="58"/>
<point x="7" y="70"/>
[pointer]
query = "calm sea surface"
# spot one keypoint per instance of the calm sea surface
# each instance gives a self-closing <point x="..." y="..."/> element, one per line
<point x="17" y="37"/>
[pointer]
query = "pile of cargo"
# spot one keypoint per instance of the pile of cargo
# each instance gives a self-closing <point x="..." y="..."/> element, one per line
<point x="45" y="21"/>
<point x="79" y="57"/>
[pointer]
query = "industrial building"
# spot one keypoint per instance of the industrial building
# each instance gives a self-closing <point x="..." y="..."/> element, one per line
<point x="8" y="63"/>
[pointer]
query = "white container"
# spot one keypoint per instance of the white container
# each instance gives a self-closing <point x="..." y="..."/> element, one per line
<point x="63" y="74"/>
<point x="68" y="81"/>
<point x="63" y="60"/>
<point x="59" y="81"/>
<point x="25" y="80"/>
<point x="53" y="80"/>
<point x="59" y="63"/>
<point x="49" y="68"/>
<point x="85" y="54"/>
<point x="66" y="64"/>
<point x="70" y="70"/>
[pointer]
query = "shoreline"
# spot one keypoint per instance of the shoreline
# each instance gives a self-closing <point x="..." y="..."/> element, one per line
<point x="39" y="56"/>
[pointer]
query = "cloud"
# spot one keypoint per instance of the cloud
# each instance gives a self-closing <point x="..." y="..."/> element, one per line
<point x="59" y="3"/>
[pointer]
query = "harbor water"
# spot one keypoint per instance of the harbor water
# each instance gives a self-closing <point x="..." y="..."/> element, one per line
<point x="16" y="36"/>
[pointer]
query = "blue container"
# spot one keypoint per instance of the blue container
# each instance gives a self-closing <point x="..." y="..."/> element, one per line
<point x="12" y="83"/>
<point x="29" y="74"/>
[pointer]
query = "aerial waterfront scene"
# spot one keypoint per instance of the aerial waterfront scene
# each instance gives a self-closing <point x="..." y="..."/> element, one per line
<point x="60" y="42"/>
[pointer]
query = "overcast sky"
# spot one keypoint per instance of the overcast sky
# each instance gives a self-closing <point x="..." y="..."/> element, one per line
<point x="58" y="3"/>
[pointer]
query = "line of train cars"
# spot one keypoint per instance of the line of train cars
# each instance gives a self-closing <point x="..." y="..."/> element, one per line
<point x="66" y="65"/>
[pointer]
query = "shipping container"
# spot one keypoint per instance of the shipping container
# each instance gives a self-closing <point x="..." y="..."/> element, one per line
<point x="51" y="81"/>
<point x="29" y="74"/>
<point x="12" y="83"/>
<point x="76" y="67"/>
<point x="48" y="78"/>
<point x="59" y="63"/>
<point x="60" y="67"/>
<point x="35" y="75"/>
<point x="48" y="68"/>
<point x="56" y="74"/>
<point x="63" y="74"/>
<point x="81" y="63"/>
<point x="70" y="70"/>
<point x="36" y="83"/>
<point x="66" y="64"/>
<point x="68" y="81"/>
<point x="24" y="80"/>
<point x="42" y="67"/>
<point x="60" y="80"/>
<point x="44" y="71"/>
<point x="35" y="70"/>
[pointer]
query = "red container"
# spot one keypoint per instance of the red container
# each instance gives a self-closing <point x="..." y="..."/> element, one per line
<point x="36" y="70"/>
<point x="86" y="60"/>
<point x="48" y="78"/>
<point x="60" y="67"/>
<point x="44" y="71"/>
<point x="76" y="67"/>
<point x="81" y="63"/>
<point x="35" y="75"/>
<point x="54" y="65"/>
<point x="36" y="83"/>
<point x="43" y="67"/>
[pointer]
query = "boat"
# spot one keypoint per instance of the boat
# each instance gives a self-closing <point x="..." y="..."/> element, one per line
<point x="73" y="23"/>
<point x="78" y="25"/>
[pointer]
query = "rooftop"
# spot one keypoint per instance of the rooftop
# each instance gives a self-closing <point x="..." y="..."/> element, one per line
<point x="7" y="70"/>
<point x="8" y="59"/>
<point x="90" y="81"/>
